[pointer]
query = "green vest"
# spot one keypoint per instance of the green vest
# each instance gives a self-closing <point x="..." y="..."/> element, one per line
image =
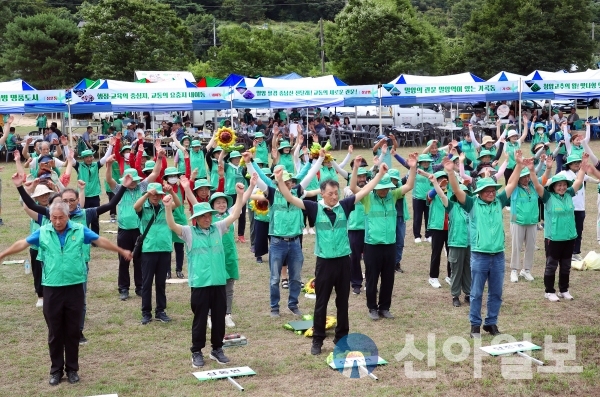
<point x="285" y="220"/>
<point x="559" y="217"/>
<point x="387" y="157"/>
<point x="332" y="240"/>
<point x="437" y="214"/>
<point x="128" y="219"/>
<point x="356" y="220"/>
<point x="33" y="226"/>
<point x="524" y="209"/>
<point x="231" y="254"/>
<point x="81" y="219"/>
<point x="62" y="266"/>
<point x="178" y="215"/>
<point x="159" y="238"/>
<point x="578" y="150"/>
<point x="422" y="185"/>
<point x="510" y="149"/>
<point x="468" y="148"/>
<point x="327" y="174"/>
<point x="486" y="228"/>
<point x="206" y="258"/>
<point x="540" y="138"/>
<point x="233" y="175"/>
<point x="380" y="225"/>
<point x="89" y="174"/>
<point x="262" y="152"/>
<point x="198" y="162"/>
<point x="10" y="146"/>
<point x="41" y="122"/>
<point x="458" y="232"/>
<point x="181" y="162"/>
<point x="287" y="162"/>
<point x="115" y="172"/>
<point x="214" y="175"/>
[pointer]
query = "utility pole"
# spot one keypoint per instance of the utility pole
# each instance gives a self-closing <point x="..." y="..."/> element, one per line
<point x="322" y="47"/>
<point x="214" y="32"/>
<point x="593" y="26"/>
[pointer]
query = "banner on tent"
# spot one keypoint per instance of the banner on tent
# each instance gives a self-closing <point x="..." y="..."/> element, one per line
<point x="280" y="94"/>
<point x="423" y="90"/>
<point x="20" y="97"/>
<point x="149" y="95"/>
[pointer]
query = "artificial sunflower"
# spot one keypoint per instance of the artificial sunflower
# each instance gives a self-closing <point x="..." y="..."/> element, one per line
<point x="225" y="138"/>
<point x="316" y="147"/>
<point x="251" y="150"/>
<point x="260" y="207"/>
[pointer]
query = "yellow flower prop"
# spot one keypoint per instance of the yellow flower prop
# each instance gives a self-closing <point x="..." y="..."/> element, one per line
<point x="225" y="138"/>
<point x="330" y="322"/>
<point x="309" y="287"/>
<point x="251" y="150"/>
<point x="315" y="148"/>
<point x="260" y="207"/>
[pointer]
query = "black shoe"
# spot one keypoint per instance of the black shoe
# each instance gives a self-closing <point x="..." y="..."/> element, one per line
<point x="180" y="275"/>
<point x="259" y="259"/>
<point x="295" y="311"/>
<point x="124" y="295"/>
<point x="274" y="312"/>
<point x="72" y="377"/>
<point x="285" y="283"/>
<point x="373" y="315"/>
<point x="315" y="349"/>
<point x="168" y="275"/>
<point x="197" y="360"/>
<point x="219" y="356"/>
<point x="82" y="339"/>
<point x="385" y="314"/>
<point x="162" y="316"/>
<point x="356" y="290"/>
<point x="475" y="332"/>
<point x="1" y="223"/>
<point x="138" y="292"/>
<point x="456" y="301"/>
<point x="468" y="300"/>
<point x="55" y="378"/>
<point x="146" y="318"/>
<point x="398" y="269"/>
<point x="492" y="329"/>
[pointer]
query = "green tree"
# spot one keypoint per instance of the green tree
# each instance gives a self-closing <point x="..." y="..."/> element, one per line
<point x="373" y="41"/>
<point x="243" y="10"/>
<point x="520" y="37"/>
<point x="183" y="8"/>
<point x="200" y="69"/>
<point x="201" y="28"/>
<point x="266" y="52"/>
<point x="40" y="49"/>
<point x="121" y="36"/>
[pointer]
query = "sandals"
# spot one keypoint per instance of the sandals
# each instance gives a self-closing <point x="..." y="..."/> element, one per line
<point x="285" y="284"/>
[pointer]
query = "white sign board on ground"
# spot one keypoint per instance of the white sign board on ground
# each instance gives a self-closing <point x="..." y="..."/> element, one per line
<point x="105" y="395"/>
<point x="509" y="348"/>
<point x="359" y="361"/>
<point x="224" y="373"/>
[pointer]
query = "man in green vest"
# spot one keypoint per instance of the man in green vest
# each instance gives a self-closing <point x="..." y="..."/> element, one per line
<point x="156" y="249"/>
<point x="207" y="271"/>
<point x="41" y="122"/>
<point x="380" y="239"/>
<point x="88" y="171"/>
<point x="61" y="242"/>
<point x="402" y="215"/>
<point x="332" y="248"/>
<point x="356" y="232"/>
<point x="486" y="232"/>
<point x="129" y="223"/>
<point x="235" y="174"/>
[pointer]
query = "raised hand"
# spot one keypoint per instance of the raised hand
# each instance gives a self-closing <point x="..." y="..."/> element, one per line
<point x="247" y="156"/>
<point x="278" y="174"/>
<point x="432" y="179"/>
<point x="168" y="201"/>
<point x="384" y="148"/>
<point x="587" y="123"/>
<point x="462" y="157"/>
<point x="412" y="160"/>
<point x="357" y="162"/>
<point x="300" y="136"/>
<point x="253" y="179"/>
<point x="322" y="153"/>
<point x="448" y="165"/>
<point x="110" y="160"/>
<point x="18" y="179"/>
<point x="350" y="149"/>
<point x="383" y="168"/>
<point x="519" y="156"/>
<point x="11" y="119"/>
<point x="28" y="141"/>
<point x="160" y="153"/>
<point x="376" y="161"/>
<point x="80" y="184"/>
<point x="17" y="155"/>
<point x="112" y="141"/>
<point x="127" y="181"/>
<point x="239" y="188"/>
<point x="167" y="188"/>
<point x="193" y="175"/>
<point x="498" y="123"/>
<point x="151" y="191"/>
<point x="528" y="163"/>
<point x="549" y="161"/>
<point x="184" y="182"/>
<point x="55" y="141"/>
<point x="63" y="141"/>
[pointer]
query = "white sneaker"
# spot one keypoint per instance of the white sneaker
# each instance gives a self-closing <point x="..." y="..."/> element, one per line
<point x="305" y="231"/>
<point x="228" y="321"/>
<point x="418" y="240"/>
<point x="40" y="302"/>
<point x="434" y="283"/>
<point x="311" y="230"/>
<point x="565" y="295"/>
<point x="576" y="258"/>
<point x="551" y="297"/>
<point x="514" y="277"/>
<point x="428" y="239"/>
<point x="526" y="274"/>
<point x="209" y="322"/>
<point x="448" y="280"/>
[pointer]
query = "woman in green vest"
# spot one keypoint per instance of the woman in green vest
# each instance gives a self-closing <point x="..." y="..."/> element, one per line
<point x="419" y="201"/>
<point x="514" y="143"/>
<point x="559" y="230"/>
<point x="197" y="159"/>
<point x="179" y="156"/>
<point x="539" y="133"/>
<point x="235" y="174"/>
<point x="171" y="177"/>
<point x="459" y="251"/>
<point x="208" y="272"/>
<point x="402" y="216"/>
<point x="573" y="140"/>
<point x="41" y="196"/>
<point x="356" y="231"/>
<point x="262" y="151"/>
<point x="283" y="156"/>
<point x="438" y="227"/>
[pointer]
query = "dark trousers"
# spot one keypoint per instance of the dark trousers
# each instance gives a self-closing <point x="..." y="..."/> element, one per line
<point x="379" y="262"/>
<point x="154" y="268"/>
<point x="202" y="300"/>
<point x="579" y="218"/>
<point x="62" y="311"/>
<point x="93" y="202"/>
<point x="126" y="239"/>
<point x="420" y="210"/>
<point x="36" y="269"/>
<point x="113" y="210"/>
<point x="558" y="255"/>
<point x="329" y="274"/>
<point x="560" y="160"/>
<point x="178" y="247"/>
<point x="357" y="244"/>
<point x="439" y="239"/>
<point x="311" y="222"/>
<point x="242" y="219"/>
<point x="507" y="174"/>
<point x="541" y="209"/>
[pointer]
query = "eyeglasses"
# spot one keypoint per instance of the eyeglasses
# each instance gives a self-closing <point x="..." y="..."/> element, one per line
<point x="69" y="201"/>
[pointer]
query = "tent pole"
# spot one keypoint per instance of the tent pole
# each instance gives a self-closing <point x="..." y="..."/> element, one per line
<point x="70" y="131"/>
<point x="520" y="110"/>
<point x="422" y="126"/>
<point x="380" y="123"/>
<point x="355" y="117"/>
<point x="231" y="106"/>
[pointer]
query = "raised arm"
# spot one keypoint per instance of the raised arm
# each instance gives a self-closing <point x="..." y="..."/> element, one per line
<point x="567" y="137"/>
<point x="160" y="155"/>
<point x="461" y="196"/>
<point x="524" y="133"/>
<point x="585" y="167"/>
<point x="109" y="179"/>
<point x="339" y="169"/>
<point x="534" y="179"/>
<point x="184" y="183"/>
<point x="438" y="190"/>
<point x="241" y="200"/>
<point x="473" y="139"/>
<point x="283" y="189"/>
<point x="15" y="248"/>
<point x="312" y="172"/>
<point x="169" y="205"/>
<point x="358" y="196"/>
<point x="263" y="181"/>
<point x="347" y="158"/>
<point x="109" y="150"/>
<point x="127" y="181"/>
<point x="140" y="202"/>
<point x="461" y="167"/>
<point x="10" y="120"/>
<point x="412" y="174"/>
<point x="512" y="183"/>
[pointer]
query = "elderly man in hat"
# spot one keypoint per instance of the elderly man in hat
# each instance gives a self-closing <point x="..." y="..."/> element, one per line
<point x="61" y="245"/>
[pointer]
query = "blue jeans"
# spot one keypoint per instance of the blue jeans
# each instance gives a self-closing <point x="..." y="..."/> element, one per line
<point x="490" y="268"/>
<point x="290" y="252"/>
<point x="400" y="233"/>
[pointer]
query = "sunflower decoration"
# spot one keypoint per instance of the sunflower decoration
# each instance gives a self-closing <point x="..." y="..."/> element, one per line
<point x="226" y="138"/>
<point x="309" y="289"/>
<point x="316" y="147"/>
<point x="251" y="150"/>
<point x="260" y="207"/>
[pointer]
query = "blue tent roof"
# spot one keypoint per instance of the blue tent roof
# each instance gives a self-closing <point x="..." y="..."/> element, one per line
<point x="536" y="76"/>
<point x="232" y="80"/>
<point x="289" y="76"/>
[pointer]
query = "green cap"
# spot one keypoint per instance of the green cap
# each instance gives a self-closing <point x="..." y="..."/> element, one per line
<point x="484" y="153"/>
<point x="392" y="172"/>
<point x="558" y="178"/>
<point x="454" y="158"/>
<point x="171" y="171"/>
<point x="155" y="186"/>
<point x="184" y="138"/>
<point x="424" y="157"/>
<point x="539" y="125"/>
<point x="217" y="149"/>
<point x="440" y="174"/>
<point x="267" y="171"/>
<point x="287" y="176"/>
<point x="219" y="194"/>
<point x="524" y="172"/>
<point x="126" y="147"/>
<point x="87" y="153"/>
<point x="196" y="143"/>
<point x="259" y="135"/>
<point x="258" y="161"/>
<point x="573" y="158"/>
<point x="201" y="183"/>
<point x="284" y="144"/>
<point x="463" y="188"/>
<point x="133" y="173"/>
<point x="385" y="183"/>
<point x="149" y="166"/>
<point x="234" y="154"/>
<point x="201" y="209"/>
<point x="486" y="182"/>
<point x="429" y="142"/>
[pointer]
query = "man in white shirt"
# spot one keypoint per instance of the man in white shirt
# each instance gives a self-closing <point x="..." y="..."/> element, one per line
<point x="559" y="118"/>
<point x="475" y="118"/>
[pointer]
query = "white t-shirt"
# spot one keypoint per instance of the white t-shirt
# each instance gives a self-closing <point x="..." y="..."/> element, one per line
<point x="579" y="198"/>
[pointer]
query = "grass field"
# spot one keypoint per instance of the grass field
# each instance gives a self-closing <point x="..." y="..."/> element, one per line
<point x="127" y="358"/>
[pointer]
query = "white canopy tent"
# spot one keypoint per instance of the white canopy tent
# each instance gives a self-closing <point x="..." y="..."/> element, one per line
<point x="156" y="77"/>
<point x="461" y="78"/>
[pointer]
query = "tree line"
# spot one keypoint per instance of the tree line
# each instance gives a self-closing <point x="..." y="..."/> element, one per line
<point x="55" y="43"/>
